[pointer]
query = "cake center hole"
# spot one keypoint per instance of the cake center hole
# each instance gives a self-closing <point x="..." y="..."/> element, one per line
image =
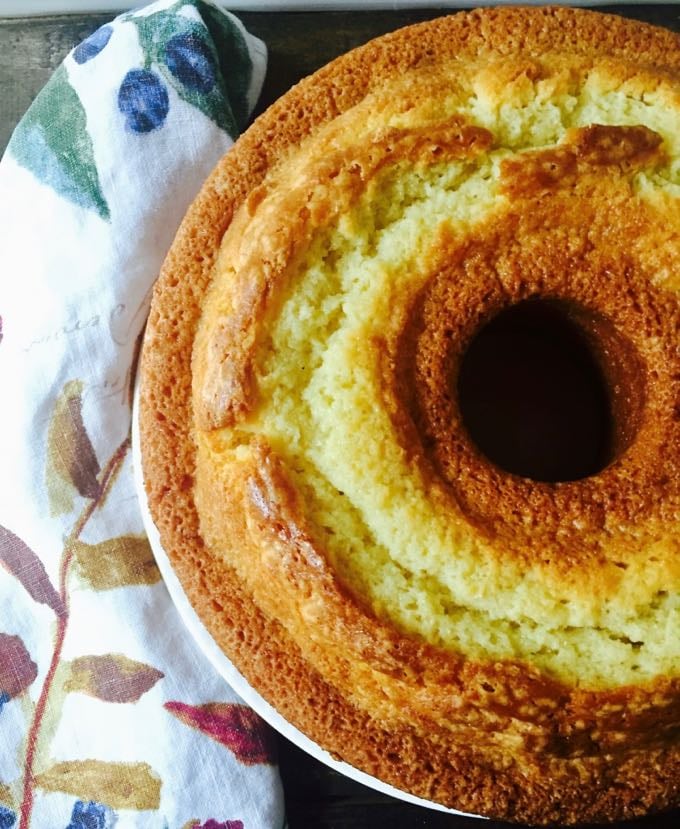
<point x="533" y="395"/>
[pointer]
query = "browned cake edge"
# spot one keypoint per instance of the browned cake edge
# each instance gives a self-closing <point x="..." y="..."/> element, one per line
<point x="259" y="646"/>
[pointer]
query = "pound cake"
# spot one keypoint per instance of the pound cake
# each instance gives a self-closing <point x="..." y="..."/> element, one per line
<point x="500" y="640"/>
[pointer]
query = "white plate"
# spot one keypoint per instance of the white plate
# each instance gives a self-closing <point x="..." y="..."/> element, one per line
<point x="210" y="648"/>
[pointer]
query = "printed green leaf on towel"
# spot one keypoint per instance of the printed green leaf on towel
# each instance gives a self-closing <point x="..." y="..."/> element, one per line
<point x="234" y="58"/>
<point x="52" y="142"/>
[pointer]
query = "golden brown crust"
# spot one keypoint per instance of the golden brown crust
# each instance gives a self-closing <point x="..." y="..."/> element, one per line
<point x="557" y="247"/>
<point x="496" y="739"/>
<point x="224" y="364"/>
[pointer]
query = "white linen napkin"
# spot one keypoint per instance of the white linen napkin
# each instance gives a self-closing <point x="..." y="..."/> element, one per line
<point x="109" y="714"/>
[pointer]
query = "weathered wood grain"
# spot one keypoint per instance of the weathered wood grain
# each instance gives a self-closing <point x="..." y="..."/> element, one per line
<point x="298" y="43"/>
<point x="30" y="50"/>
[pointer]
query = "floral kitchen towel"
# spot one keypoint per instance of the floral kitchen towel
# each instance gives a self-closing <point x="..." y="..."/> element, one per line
<point x="109" y="715"/>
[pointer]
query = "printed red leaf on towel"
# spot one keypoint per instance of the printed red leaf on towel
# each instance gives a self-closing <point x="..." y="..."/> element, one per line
<point x="24" y="564"/>
<point x="17" y="669"/>
<point x="236" y="726"/>
<point x="111" y="677"/>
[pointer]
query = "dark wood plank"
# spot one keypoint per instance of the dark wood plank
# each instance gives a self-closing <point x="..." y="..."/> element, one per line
<point x="299" y="43"/>
<point x="318" y="797"/>
<point x="30" y="50"/>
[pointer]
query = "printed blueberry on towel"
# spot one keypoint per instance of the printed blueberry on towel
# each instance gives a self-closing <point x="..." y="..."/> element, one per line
<point x="203" y="58"/>
<point x="191" y="61"/>
<point x="7" y="818"/>
<point x="91" y="815"/>
<point x="92" y="45"/>
<point x="143" y="99"/>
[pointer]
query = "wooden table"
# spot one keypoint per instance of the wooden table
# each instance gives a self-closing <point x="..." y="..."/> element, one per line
<point x="298" y="43"/>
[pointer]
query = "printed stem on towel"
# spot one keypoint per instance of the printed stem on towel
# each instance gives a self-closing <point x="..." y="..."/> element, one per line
<point x="106" y="480"/>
